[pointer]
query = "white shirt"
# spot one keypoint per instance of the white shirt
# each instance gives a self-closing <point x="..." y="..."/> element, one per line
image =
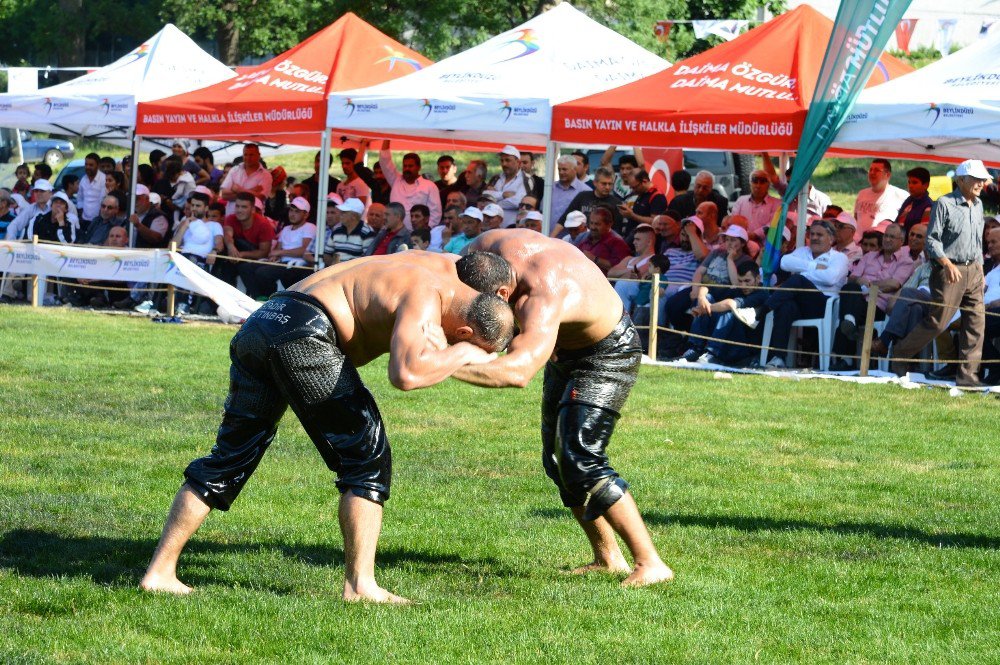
<point x="91" y="193"/>
<point x="509" y="203"/>
<point x="829" y="279"/>
<point x="992" y="284"/>
<point x="239" y="176"/>
<point x="421" y="191"/>
<point x="23" y="225"/>
<point x="290" y="238"/>
<point x="758" y="214"/>
<point x="871" y="208"/>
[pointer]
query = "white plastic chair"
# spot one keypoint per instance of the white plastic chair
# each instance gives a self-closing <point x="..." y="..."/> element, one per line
<point x="824" y="329"/>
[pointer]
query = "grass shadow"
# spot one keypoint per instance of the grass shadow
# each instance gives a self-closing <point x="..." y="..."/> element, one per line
<point x="122" y="561"/>
<point x="756" y="524"/>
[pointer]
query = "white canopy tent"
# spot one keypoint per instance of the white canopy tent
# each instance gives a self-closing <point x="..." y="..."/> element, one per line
<point x="946" y="111"/>
<point x="102" y="104"/>
<point x="501" y="91"/>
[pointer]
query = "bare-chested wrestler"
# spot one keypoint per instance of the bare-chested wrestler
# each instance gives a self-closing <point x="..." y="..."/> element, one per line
<point x="571" y="321"/>
<point x="300" y="349"/>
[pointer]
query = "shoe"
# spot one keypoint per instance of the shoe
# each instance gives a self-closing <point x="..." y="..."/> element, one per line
<point x="946" y="373"/>
<point x="145" y="307"/>
<point x="182" y="309"/>
<point x="124" y="303"/>
<point x="849" y="327"/>
<point x="879" y="348"/>
<point x="841" y="365"/>
<point x="775" y="363"/>
<point x="6" y="300"/>
<point x="708" y="359"/>
<point x="98" y="302"/>
<point x="691" y="355"/>
<point x="747" y="316"/>
<point x="970" y="383"/>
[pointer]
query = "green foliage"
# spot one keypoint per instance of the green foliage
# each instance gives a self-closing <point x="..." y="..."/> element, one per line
<point x="807" y="521"/>
<point x="918" y="57"/>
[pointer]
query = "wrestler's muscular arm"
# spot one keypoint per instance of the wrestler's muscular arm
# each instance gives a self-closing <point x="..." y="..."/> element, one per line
<point x="415" y="363"/>
<point x="539" y="317"/>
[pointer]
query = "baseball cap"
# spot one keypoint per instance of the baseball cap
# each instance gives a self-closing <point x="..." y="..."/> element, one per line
<point x="474" y="212"/>
<point x="974" y="168"/>
<point x="61" y="196"/>
<point x="141" y="190"/>
<point x="300" y="203"/>
<point x="489" y="195"/>
<point x="154" y="198"/>
<point x="574" y="220"/>
<point x="42" y="185"/>
<point x="181" y="142"/>
<point x="847" y="218"/>
<point x="645" y="227"/>
<point x="694" y="219"/>
<point x="533" y="214"/>
<point x="512" y="151"/>
<point x="352" y="205"/>
<point x="202" y="189"/>
<point x="492" y="210"/>
<point x="334" y="198"/>
<point x="736" y="231"/>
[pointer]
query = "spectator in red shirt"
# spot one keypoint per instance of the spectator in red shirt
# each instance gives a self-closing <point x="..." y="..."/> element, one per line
<point x="394" y="234"/>
<point x="602" y="245"/>
<point x="247" y="235"/>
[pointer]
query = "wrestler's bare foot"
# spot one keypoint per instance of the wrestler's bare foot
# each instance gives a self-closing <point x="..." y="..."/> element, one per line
<point x="644" y="575"/>
<point x="615" y="566"/>
<point x="164" y="584"/>
<point x="372" y="593"/>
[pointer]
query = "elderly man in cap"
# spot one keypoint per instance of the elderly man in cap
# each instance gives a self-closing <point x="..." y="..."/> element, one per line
<point x="954" y="246"/>
<point x="758" y="206"/>
<point x="845" y="227"/>
<point x="151" y="226"/>
<point x="393" y="235"/>
<point x="512" y="183"/>
<point x="818" y="273"/>
<point x="23" y="225"/>
<point x="532" y="220"/>
<point x="287" y="253"/>
<point x="575" y="227"/>
<point x="351" y="238"/>
<point x="472" y="226"/>
<point x="494" y="217"/>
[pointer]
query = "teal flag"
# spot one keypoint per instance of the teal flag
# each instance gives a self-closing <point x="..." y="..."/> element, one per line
<point x="860" y="32"/>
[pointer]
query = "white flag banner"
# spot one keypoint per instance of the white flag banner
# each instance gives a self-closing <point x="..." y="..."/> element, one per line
<point x="728" y="30"/>
<point x="945" y="34"/>
<point x="152" y="266"/>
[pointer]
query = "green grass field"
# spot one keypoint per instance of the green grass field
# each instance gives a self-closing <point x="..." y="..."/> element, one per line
<point x="806" y="521"/>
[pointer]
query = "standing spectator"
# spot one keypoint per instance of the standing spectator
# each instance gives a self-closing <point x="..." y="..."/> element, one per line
<point x="955" y="246"/>
<point x="880" y="201"/>
<point x="991" y="298"/>
<point x="528" y="168"/>
<point x="206" y="161"/>
<point x="22" y="184"/>
<point x="818" y="272"/>
<point x="182" y="184"/>
<point x="352" y="187"/>
<point x="686" y="204"/>
<point x="473" y="182"/>
<point x="287" y="254"/>
<point x="647" y="204"/>
<point x="151" y="226"/>
<point x="312" y="184"/>
<point x="248" y="177"/>
<point x="680" y="183"/>
<point x="106" y="165"/>
<point x="6" y="212"/>
<point x="627" y="166"/>
<point x="472" y="220"/>
<point x="409" y="187"/>
<point x="600" y="196"/>
<point x="512" y="183"/>
<point x="92" y="190"/>
<point x="352" y="238"/>
<point x="582" y="166"/>
<point x="447" y="181"/>
<point x="816" y="203"/>
<point x="758" y="206"/>
<point x="179" y="148"/>
<point x="916" y="209"/>
<point x="565" y="188"/>
<point x="888" y="269"/>
<point x="393" y="235"/>
<point x="603" y="246"/>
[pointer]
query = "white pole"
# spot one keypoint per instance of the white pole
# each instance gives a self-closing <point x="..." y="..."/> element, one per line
<point x="136" y="142"/>
<point x="551" y="154"/>
<point x="323" y="178"/>
<point x="803" y="216"/>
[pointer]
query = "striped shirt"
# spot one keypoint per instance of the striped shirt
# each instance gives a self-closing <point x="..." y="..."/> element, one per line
<point x="349" y="245"/>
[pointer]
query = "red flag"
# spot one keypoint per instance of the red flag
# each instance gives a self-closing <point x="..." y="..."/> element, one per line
<point x="904" y="31"/>
<point x="662" y="30"/>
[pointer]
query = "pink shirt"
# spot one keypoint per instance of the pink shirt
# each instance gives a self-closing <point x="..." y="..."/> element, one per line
<point x="874" y="267"/>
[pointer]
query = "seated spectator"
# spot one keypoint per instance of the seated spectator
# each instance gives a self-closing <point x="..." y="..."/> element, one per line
<point x="991" y="301"/>
<point x="420" y="216"/>
<point x="493" y="216"/>
<point x="393" y="235"/>
<point x="680" y="183"/>
<point x="528" y="204"/>
<point x="758" y="206"/>
<point x="888" y="268"/>
<point x="332" y="221"/>
<point x="818" y="272"/>
<point x="989" y="223"/>
<point x="276" y="203"/>
<point x="151" y="226"/>
<point x="352" y="186"/>
<point x="880" y="201"/>
<point x="532" y="221"/>
<point x="602" y="245"/>
<point x="421" y="239"/>
<point x="456" y="199"/>
<point x="916" y="209"/>
<point x="753" y="248"/>
<point x="114" y="185"/>
<point x="200" y="241"/>
<point x="832" y="212"/>
<point x="731" y="323"/>
<point x="845" y="227"/>
<point x="487" y="197"/>
<point x="99" y="293"/>
<point x="646" y="204"/>
<point x="708" y="213"/>
<point x="450" y="226"/>
<point x="216" y="212"/>
<point x="718" y="269"/>
<point x="575" y="227"/>
<point x="601" y="196"/>
<point x="472" y="221"/>
<point x="248" y="235"/>
<point x="351" y="237"/>
<point x="7" y="214"/>
<point x="915" y="241"/>
<point x="871" y="242"/>
<point x="376" y="216"/>
<point x="54" y="225"/>
<point x="262" y="280"/>
<point x="686" y="205"/>
<point x="635" y="267"/>
<point x="906" y="308"/>
<point x="110" y="215"/>
<point x="668" y="232"/>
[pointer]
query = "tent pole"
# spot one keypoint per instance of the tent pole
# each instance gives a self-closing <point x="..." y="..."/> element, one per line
<point x="323" y="182"/>
<point x="803" y="216"/>
<point x="551" y="154"/>
<point x="136" y="142"/>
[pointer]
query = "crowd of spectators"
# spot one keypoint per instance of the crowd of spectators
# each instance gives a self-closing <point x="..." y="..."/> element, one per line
<point x="251" y="225"/>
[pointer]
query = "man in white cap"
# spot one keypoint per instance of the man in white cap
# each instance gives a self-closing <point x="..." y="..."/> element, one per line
<point x="532" y="220"/>
<point x="954" y="246"/>
<point x="493" y="216"/>
<point x="351" y="238"/>
<point x="287" y="253"/>
<point x="23" y="224"/>
<point x="575" y="226"/>
<point x="151" y="226"/>
<point x="846" y="227"/>
<point x="512" y="183"/>
<point x="472" y="226"/>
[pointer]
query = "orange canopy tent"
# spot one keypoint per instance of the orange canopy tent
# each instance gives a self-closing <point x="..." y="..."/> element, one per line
<point x="286" y="95"/>
<point x="750" y="94"/>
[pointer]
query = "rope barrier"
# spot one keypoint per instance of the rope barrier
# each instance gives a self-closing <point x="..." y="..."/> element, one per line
<point x="53" y="280"/>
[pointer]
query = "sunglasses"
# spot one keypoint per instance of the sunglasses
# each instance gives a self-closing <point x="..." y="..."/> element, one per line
<point x="525" y="206"/>
<point x="758" y="181"/>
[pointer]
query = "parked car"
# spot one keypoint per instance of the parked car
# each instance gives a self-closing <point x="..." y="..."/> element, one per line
<point x="74" y="167"/>
<point x="51" y="151"/>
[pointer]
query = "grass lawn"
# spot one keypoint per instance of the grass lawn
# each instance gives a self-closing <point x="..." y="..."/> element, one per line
<point x="806" y="521"/>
